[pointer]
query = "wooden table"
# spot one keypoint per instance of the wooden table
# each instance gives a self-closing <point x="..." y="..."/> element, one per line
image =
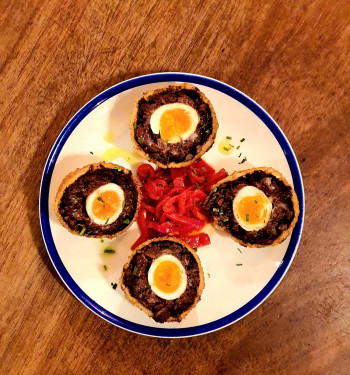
<point x="292" y="57"/>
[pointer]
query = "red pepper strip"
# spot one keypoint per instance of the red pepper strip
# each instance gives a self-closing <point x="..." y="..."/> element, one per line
<point x="161" y="228"/>
<point x="183" y="206"/>
<point x="163" y="218"/>
<point x="201" y="239"/>
<point x="198" y="196"/>
<point x="200" y="164"/>
<point x="141" y="222"/>
<point x="156" y="188"/>
<point x="197" y="224"/>
<point x="197" y="213"/>
<point x="168" y="206"/>
<point x="145" y="172"/>
<point x="148" y="208"/>
<point x="195" y="177"/>
<point x="216" y="178"/>
<point x="179" y="182"/>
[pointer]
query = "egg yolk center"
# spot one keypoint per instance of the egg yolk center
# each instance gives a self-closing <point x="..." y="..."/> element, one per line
<point x="106" y="205"/>
<point x="174" y="123"/>
<point x="253" y="209"/>
<point x="167" y="276"/>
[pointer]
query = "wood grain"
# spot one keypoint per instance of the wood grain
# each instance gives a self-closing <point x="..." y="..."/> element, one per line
<point x="292" y="57"/>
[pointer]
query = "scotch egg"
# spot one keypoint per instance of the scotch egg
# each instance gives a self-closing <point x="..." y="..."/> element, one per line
<point x="167" y="277"/>
<point x="251" y="208"/>
<point x="173" y="126"/>
<point x="98" y="200"/>
<point x="164" y="278"/>
<point x="257" y="207"/>
<point x="174" y="122"/>
<point x="105" y="203"/>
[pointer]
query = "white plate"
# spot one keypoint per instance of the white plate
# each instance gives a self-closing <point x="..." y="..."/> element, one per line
<point x="230" y="291"/>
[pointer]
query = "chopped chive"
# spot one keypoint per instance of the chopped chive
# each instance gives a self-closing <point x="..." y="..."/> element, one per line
<point x="80" y="225"/>
<point x="100" y="199"/>
<point x="221" y="211"/>
<point x="225" y="148"/>
<point x="107" y="221"/>
<point x="239" y="250"/>
<point x="195" y="249"/>
<point x="208" y="131"/>
<point x="215" y="189"/>
<point x="239" y="264"/>
<point x="119" y="169"/>
<point x="240" y="155"/>
<point x="148" y="286"/>
<point x="206" y="179"/>
<point x="227" y="137"/>
<point x="201" y="203"/>
<point x="102" y="240"/>
<point x="243" y="160"/>
<point x="195" y="172"/>
<point x="225" y="220"/>
<point x="238" y="147"/>
<point x="74" y="199"/>
<point x="126" y="221"/>
<point x="232" y="145"/>
<point x="141" y="140"/>
<point x="135" y="125"/>
<point x="134" y="271"/>
<point x="255" y="201"/>
<point x="214" y="197"/>
<point x="242" y="140"/>
<point x="91" y="153"/>
<point x="109" y="251"/>
<point x="203" y="169"/>
<point x="247" y="217"/>
<point x="105" y="267"/>
<point x="114" y="285"/>
<point x="82" y="231"/>
<point x="123" y="204"/>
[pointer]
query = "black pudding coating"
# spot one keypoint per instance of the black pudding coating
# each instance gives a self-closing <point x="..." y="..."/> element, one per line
<point x="138" y="283"/>
<point x="219" y="205"/>
<point x="182" y="151"/>
<point x="72" y="205"/>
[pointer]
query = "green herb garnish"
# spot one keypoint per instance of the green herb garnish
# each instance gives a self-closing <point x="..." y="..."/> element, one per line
<point x="82" y="231"/>
<point x="123" y="204"/>
<point x="100" y="199"/>
<point x="243" y="160"/>
<point x="109" y="251"/>
<point x="238" y="147"/>
<point x="148" y="286"/>
<point x="91" y="153"/>
<point x="195" y="249"/>
<point x="203" y="169"/>
<point x="74" y="199"/>
<point x="107" y="221"/>
<point x="240" y="155"/>
<point x="239" y="250"/>
<point x="226" y="149"/>
<point x="208" y="131"/>
<point x="215" y="189"/>
<point x="227" y="137"/>
<point x="247" y="217"/>
<point x="255" y="201"/>
<point x="119" y="169"/>
<point x="126" y="221"/>
<point x="114" y="285"/>
<point x="242" y="140"/>
<point x="214" y="197"/>
<point x="195" y="172"/>
<point x="102" y="240"/>
<point x="221" y="211"/>
<point x="141" y="140"/>
<point x="225" y="220"/>
<point x="105" y="267"/>
<point x="135" y="125"/>
<point x="134" y="271"/>
<point x="239" y="264"/>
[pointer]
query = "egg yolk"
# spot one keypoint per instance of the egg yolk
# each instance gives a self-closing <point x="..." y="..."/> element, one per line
<point x="253" y="209"/>
<point x="167" y="276"/>
<point x="106" y="205"/>
<point x="174" y="123"/>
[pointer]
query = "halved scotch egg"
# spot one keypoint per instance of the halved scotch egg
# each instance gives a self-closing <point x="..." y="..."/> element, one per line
<point x="173" y="126"/>
<point x="257" y="207"/>
<point x="164" y="278"/>
<point x="98" y="200"/>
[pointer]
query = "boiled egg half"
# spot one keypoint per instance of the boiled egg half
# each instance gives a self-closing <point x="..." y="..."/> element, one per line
<point x="174" y="122"/>
<point x="105" y="204"/>
<point x="167" y="277"/>
<point x="252" y="208"/>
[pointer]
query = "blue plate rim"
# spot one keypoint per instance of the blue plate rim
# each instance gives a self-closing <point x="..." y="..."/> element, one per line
<point x="44" y="209"/>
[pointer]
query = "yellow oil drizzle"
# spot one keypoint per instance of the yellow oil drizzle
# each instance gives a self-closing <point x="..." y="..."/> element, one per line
<point x="117" y="152"/>
<point x="109" y="136"/>
<point x="225" y="147"/>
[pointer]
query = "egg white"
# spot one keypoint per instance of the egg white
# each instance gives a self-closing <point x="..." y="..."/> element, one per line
<point x="183" y="284"/>
<point x="91" y="198"/>
<point x="158" y="113"/>
<point x="249" y="191"/>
